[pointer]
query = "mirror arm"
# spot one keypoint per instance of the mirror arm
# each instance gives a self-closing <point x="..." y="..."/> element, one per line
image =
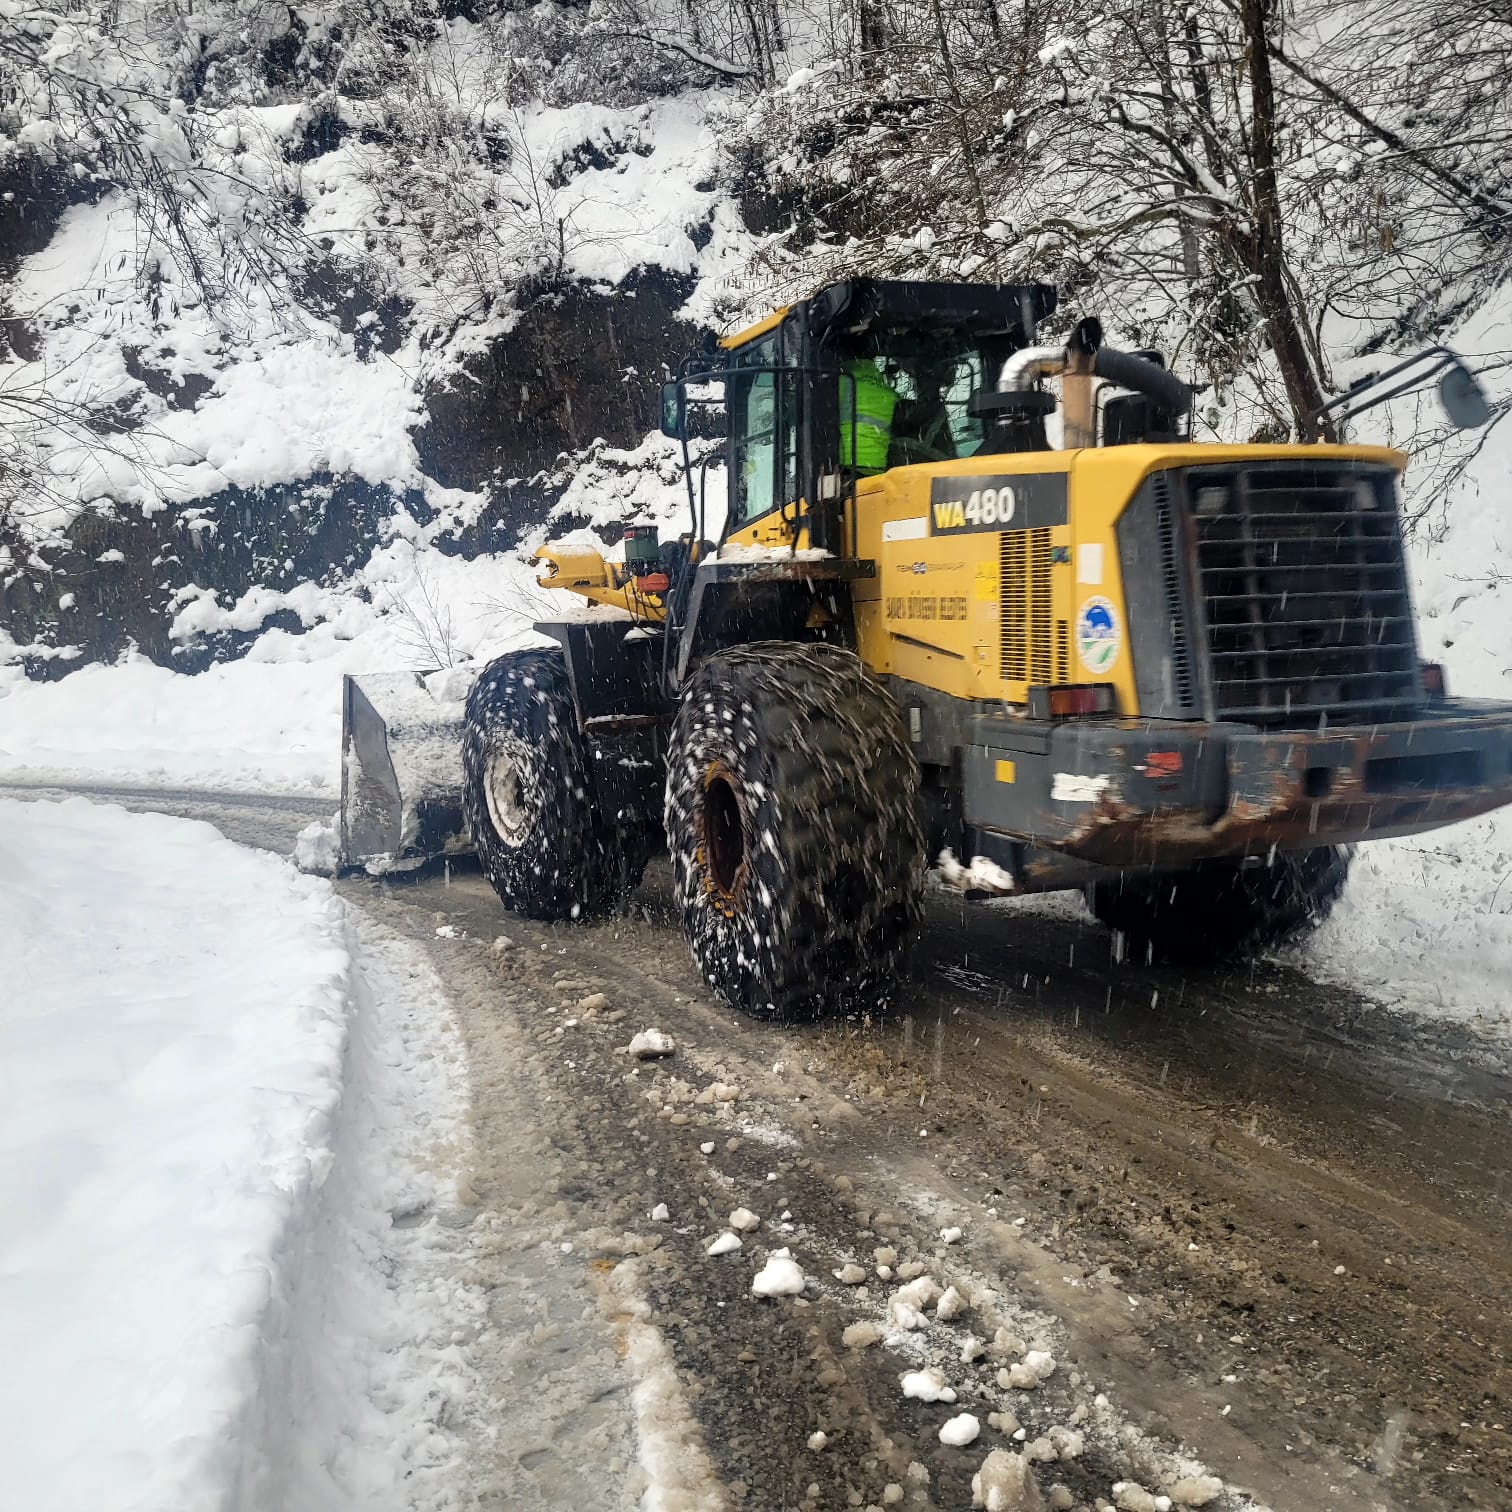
<point x="1346" y="403"/>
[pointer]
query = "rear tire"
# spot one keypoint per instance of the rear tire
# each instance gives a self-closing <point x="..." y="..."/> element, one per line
<point x="1222" y="911"/>
<point x="792" y="820"/>
<point x="527" y="792"/>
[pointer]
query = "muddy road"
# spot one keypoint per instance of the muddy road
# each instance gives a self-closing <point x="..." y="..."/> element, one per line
<point x="1257" y="1222"/>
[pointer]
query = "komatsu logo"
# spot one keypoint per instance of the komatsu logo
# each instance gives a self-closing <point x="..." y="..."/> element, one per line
<point x="1026" y="502"/>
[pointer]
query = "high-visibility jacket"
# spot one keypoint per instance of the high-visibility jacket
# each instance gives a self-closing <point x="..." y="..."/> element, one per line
<point x="875" y="403"/>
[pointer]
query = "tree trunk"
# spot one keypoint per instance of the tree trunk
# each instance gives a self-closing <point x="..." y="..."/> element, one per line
<point x="1191" y="260"/>
<point x="1266" y="243"/>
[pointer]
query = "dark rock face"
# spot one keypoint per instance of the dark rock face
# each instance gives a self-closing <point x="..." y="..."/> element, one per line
<point x="579" y="365"/>
<point x="314" y="531"/>
<point x="33" y="196"/>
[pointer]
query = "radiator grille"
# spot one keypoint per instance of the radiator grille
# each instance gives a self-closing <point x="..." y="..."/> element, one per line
<point x="1183" y="672"/>
<point x="1304" y="589"/>
<point x="1033" y="642"/>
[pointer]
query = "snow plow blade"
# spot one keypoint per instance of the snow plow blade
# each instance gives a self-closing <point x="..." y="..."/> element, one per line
<point x="401" y="769"/>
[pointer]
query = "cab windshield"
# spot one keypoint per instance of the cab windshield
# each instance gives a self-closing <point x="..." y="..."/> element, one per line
<point x="933" y="377"/>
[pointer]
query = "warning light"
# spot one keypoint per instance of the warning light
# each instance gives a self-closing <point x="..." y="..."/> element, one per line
<point x="1072" y="701"/>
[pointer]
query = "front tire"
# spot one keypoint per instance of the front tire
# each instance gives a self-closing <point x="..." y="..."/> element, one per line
<point x="792" y="820"/>
<point x="1222" y="911"/>
<point x="527" y="792"/>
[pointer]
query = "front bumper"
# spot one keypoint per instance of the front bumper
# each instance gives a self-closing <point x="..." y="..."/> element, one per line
<point x="1129" y="792"/>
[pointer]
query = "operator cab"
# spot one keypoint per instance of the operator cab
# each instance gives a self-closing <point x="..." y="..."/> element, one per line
<point x="941" y="352"/>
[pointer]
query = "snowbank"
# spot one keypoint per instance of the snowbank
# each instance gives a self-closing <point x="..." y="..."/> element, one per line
<point x="245" y="726"/>
<point x="271" y="721"/>
<point x="1426" y="922"/>
<point x="172" y="1036"/>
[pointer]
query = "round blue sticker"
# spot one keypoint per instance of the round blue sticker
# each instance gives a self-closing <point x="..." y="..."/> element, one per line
<point x="1097" y="634"/>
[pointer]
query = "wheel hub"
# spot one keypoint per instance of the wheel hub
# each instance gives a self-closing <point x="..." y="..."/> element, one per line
<point x="504" y="792"/>
<point x="723" y="832"/>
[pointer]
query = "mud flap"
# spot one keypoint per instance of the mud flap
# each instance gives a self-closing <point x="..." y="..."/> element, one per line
<point x="401" y="768"/>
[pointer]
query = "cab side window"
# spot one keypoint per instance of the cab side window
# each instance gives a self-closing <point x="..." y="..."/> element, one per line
<point x="764" y="423"/>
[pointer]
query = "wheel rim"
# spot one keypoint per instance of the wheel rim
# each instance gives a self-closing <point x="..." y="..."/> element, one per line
<point x="504" y="792"/>
<point x="723" y="832"/>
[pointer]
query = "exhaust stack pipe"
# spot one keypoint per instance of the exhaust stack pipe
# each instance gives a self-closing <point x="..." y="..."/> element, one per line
<point x="1079" y="362"/>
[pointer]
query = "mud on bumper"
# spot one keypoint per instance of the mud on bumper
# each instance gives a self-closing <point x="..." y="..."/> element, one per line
<point x="1156" y="792"/>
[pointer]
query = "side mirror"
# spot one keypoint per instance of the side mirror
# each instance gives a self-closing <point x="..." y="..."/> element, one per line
<point x="674" y="410"/>
<point x="1463" y="398"/>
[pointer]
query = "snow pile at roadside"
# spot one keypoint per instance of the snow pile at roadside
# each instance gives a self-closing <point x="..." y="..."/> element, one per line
<point x="270" y="721"/>
<point x="172" y="1035"/>
<point x="230" y="1122"/>
<point x="1426" y="921"/>
<point x="242" y="726"/>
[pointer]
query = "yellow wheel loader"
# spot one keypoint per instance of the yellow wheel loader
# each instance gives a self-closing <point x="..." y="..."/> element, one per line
<point x="1183" y="678"/>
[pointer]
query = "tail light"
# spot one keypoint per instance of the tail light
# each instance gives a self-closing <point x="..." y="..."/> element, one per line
<point x="1072" y="701"/>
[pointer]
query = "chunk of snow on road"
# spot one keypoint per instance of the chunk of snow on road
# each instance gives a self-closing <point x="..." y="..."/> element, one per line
<point x="1067" y="1443"/>
<point x="950" y="1235"/>
<point x="1130" y="1496"/>
<point x="980" y="874"/>
<point x="951" y="1305"/>
<point x="1196" y="1490"/>
<point x="918" y="1293"/>
<point x="660" y="1214"/>
<point x="706" y="1148"/>
<point x="1005" y="1483"/>
<point x="861" y="1335"/>
<point x="744" y="1221"/>
<point x="904" y="1315"/>
<point x="651" y="1044"/>
<point x="1006" y="1343"/>
<point x="317" y="847"/>
<point x="817" y="1441"/>
<point x="1036" y="1366"/>
<point x="779" y="1277"/>
<point x="726" y="1244"/>
<point x="960" y="1431"/>
<point x="850" y="1274"/>
<point x="926" y="1386"/>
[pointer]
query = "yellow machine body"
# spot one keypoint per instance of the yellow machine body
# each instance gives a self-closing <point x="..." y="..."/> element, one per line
<point x="978" y="613"/>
